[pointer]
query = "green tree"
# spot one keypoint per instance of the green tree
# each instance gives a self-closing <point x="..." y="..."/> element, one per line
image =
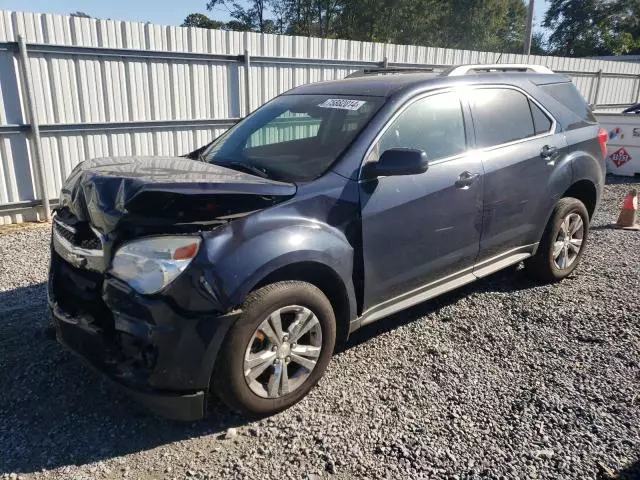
<point x="594" y="27"/>
<point x="624" y="36"/>
<point x="250" y="18"/>
<point x="201" y="21"/>
<point x="495" y="25"/>
<point x="538" y="44"/>
<point x="579" y="26"/>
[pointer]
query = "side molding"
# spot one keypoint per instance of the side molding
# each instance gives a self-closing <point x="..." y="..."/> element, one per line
<point x="444" y="285"/>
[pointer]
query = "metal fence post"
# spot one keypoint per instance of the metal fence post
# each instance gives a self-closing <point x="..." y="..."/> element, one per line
<point x="35" y="129"/>
<point x="597" y="92"/>
<point x="637" y="100"/>
<point x="247" y="82"/>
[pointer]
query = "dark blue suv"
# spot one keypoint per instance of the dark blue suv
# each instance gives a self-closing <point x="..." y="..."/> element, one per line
<point x="235" y="271"/>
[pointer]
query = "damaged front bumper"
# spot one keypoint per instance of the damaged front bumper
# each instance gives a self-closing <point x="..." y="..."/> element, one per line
<point x="159" y="353"/>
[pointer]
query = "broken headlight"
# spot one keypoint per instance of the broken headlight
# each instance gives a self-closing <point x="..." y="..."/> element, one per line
<point x="150" y="264"/>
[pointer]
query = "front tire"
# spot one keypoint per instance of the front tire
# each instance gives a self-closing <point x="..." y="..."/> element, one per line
<point x="277" y="350"/>
<point x="563" y="242"/>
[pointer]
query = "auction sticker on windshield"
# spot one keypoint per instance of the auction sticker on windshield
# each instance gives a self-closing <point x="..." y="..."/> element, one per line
<point x="342" y="103"/>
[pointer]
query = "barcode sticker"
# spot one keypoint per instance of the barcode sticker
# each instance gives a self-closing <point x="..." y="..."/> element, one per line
<point x="342" y="103"/>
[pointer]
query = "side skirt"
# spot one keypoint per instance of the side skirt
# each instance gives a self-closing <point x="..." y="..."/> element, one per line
<point x="443" y="285"/>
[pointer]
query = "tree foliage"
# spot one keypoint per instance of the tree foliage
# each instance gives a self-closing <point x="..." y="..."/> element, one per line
<point x="201" y="21"/>
<point x="577" y="27"/>
<point x="496" y="25"/>
<point x="593" y="27"/>
<point x="249" y="18"/>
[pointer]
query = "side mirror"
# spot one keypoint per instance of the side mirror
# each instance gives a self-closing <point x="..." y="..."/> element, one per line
<point x="397" y="161"/>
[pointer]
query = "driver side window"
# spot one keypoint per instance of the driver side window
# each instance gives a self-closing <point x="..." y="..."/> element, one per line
<point x="434" y="124"/>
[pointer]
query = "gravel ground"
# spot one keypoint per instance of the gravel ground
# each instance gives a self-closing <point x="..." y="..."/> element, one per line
<point x="504" y="378"/>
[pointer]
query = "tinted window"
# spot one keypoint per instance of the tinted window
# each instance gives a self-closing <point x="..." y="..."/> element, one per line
<point x="294" y="137"/>
<point x="434" y="124"/>
<point x="541" y="122"/>
<point x="500" y="116"/>
<point x="569" y="96"/>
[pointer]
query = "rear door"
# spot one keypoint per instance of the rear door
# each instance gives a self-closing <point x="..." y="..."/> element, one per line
<point x="519" y="148"/>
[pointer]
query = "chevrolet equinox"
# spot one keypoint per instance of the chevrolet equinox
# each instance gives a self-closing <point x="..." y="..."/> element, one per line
<point x="233" y="272"/>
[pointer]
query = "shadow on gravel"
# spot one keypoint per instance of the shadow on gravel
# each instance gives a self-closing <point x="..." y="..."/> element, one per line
<point x="632" y="472"/>
<point x="509" y="280"/>
<point x="57" y="412"/>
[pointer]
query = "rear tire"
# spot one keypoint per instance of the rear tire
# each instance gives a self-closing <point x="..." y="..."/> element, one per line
<point x="563" y="242"/>
<point x="277" y="350"/>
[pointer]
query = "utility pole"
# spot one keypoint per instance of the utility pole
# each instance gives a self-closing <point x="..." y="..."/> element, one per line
<point x="529" y="30"/>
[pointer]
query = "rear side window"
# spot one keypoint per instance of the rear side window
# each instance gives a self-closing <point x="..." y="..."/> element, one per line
<point x="500" y="116"/>
<point x="569" y="96"/>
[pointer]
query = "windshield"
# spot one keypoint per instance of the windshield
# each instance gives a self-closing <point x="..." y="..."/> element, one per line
<point x="293" y="137"/>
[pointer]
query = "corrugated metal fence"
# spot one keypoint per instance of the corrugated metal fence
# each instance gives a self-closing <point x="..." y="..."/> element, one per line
<point x="106" y="88"/>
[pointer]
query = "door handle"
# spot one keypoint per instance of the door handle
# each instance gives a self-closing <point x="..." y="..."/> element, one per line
<point x="466" y="179"/>
<point x="549" y="153"/>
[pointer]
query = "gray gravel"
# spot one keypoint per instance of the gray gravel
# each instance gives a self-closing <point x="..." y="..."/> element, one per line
<point x="504" y="378"/>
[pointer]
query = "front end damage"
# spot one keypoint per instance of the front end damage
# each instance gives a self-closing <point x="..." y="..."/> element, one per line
<point x="161" y="347"/>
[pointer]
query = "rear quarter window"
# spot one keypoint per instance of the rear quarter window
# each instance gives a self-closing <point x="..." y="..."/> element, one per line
<point x="541" y="122"/>
<point x="569" y="96"/>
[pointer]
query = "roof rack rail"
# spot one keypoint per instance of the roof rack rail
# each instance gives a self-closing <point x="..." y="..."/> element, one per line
<point x="495" y="67"/>
<point x="389" y="71"/>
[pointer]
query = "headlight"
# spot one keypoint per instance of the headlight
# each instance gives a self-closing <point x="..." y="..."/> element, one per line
<point x="151" y="264"/>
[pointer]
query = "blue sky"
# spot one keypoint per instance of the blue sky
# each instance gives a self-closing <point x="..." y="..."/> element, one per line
<point x="163" y="12"/>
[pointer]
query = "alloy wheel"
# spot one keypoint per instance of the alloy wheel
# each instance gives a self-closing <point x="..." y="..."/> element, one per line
<point x="569" y="240"/>
<point x="283" y="351"/>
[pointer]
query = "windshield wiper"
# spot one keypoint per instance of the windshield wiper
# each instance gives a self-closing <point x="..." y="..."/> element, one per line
<point x="246" y="168"/>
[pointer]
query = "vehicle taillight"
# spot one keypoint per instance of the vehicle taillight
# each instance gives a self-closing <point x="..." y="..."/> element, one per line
<point x="603" y="136"/>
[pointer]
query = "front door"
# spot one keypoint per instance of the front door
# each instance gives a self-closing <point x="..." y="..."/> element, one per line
<point x="420" y="228"/>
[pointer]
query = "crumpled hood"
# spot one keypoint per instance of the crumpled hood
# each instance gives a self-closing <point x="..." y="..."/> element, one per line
<point x="169" y="189"/>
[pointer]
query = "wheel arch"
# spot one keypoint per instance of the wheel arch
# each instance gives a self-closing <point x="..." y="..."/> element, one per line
<point x="586" y="192"/>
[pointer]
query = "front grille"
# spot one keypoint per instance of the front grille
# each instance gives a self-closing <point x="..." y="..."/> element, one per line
<point x="77" y="233"/>
<point x="77" y="290"/>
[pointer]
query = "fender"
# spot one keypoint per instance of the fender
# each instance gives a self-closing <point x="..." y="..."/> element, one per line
<point x="246" y="251"/>
<point x="587" y="162"/>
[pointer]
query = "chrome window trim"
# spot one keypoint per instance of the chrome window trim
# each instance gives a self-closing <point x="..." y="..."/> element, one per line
<point x="461" y="91"/>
